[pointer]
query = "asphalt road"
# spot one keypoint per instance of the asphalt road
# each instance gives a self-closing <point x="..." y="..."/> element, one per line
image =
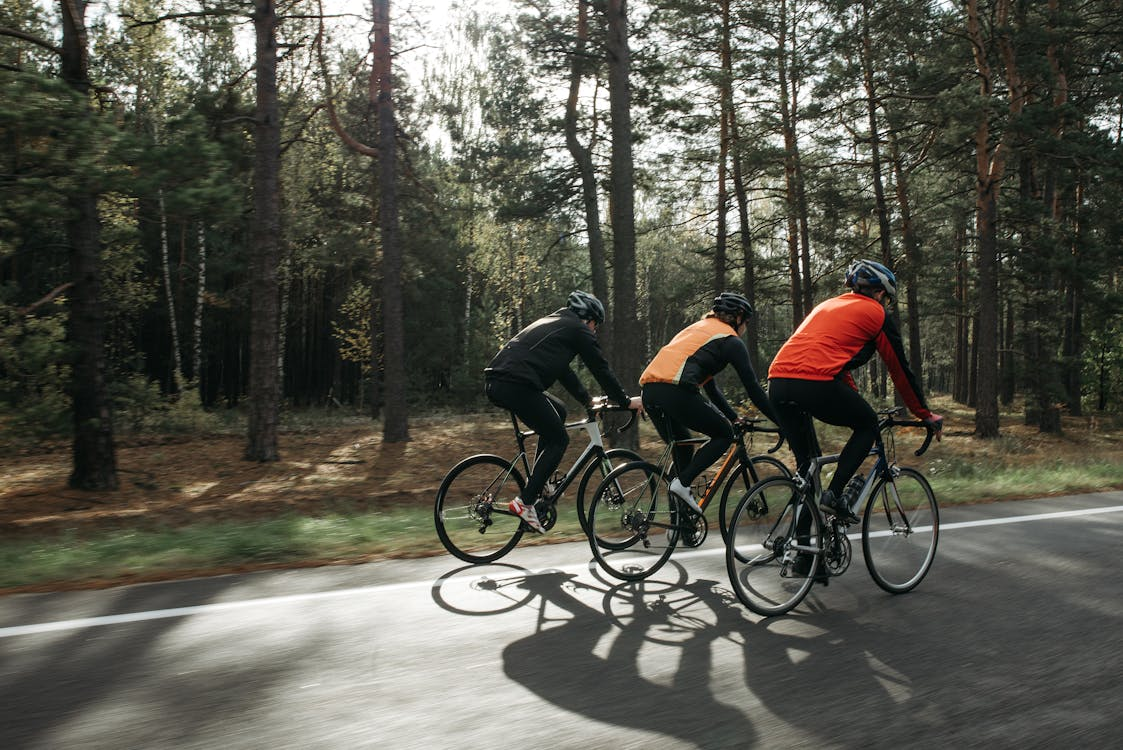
<point x="1015" y="640"/>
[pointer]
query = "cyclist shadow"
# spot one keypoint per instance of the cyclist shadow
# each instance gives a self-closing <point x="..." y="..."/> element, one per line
<point x="609" y="669"/>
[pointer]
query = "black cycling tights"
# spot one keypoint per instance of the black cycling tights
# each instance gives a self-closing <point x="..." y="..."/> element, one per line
<point x="830" y="401"/>
<point x="543" y="413"/>
<point x="675" y="410"/>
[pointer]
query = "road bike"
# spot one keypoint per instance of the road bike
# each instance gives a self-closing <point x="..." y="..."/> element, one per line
<point x="780" y="542"/>
<point x="635" y="522"/>
<point x="470" y="511"/>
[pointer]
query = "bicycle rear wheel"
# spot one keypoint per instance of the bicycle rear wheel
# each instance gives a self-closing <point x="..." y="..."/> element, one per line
<point x="741" y="481"/>
<point x="900" y="529"/>
<point x="632" y="519"/>
<point x="595" y="474"/>
<point x="773" y="548"/>
<point x="471" y="514"/>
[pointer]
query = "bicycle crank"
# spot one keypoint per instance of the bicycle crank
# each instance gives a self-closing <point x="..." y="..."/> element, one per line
<point x="837" y="550"/>
<point x="695" y="532"/>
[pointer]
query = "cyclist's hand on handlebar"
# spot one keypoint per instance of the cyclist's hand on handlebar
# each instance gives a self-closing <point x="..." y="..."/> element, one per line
<point x="635" y="403"/>
<point x="936" y="423"/>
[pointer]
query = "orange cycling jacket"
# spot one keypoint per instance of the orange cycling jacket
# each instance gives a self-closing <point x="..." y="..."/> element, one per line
<point x="700" y="351"/>
<point x="842" y="334"/>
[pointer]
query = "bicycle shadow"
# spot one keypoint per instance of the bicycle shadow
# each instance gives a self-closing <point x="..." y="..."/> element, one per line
<point x="642" y="656"/>
<point x="606" y="668"/>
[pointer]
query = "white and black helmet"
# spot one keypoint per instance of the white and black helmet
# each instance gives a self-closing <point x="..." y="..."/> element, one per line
<point x="586" y="306"/>
<point x="871" y="274"/>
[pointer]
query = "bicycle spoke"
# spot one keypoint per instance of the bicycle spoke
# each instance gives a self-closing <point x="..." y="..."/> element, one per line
<point x="900" y="531"/>
<point x="773" y="547"/>
<point x="741" y="481"/>
<point x="470" y="513"/>
<point x="632" y="520"/>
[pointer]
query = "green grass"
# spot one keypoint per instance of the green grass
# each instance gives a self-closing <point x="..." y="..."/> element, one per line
<point x="139" y="554"/>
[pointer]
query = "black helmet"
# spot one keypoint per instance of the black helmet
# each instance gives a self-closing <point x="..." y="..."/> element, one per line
<point x="586" y="306"/>
<point x="870" y="273"/>
<point x="733" y="304"/>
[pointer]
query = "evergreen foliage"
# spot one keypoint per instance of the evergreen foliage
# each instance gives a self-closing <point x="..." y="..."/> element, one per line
<point x="854" y="135"/>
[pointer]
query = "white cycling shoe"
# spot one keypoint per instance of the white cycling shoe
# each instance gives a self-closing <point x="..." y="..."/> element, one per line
<point x="685" y="494"/>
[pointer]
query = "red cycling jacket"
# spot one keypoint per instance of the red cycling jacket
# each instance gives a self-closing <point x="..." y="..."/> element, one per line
<point x="842" y="334"/>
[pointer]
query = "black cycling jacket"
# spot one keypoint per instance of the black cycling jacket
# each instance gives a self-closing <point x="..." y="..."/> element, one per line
<point x="539" y="355"/>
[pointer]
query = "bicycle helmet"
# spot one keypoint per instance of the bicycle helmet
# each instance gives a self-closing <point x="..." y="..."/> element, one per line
<point x="732" y="303"/>
<point x="586" y="306"/>
<point x="871" y="274"/>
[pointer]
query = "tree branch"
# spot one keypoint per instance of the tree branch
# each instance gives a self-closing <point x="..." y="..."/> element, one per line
<point x="329" y="95"/>
<point x="17" y="34"/>
<point x="50" y="297"/>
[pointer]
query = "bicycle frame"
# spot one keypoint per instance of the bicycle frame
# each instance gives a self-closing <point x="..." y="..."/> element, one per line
<point x="738" y="454"/>
<point x="882" y="466"/>
<point x="594" y="449"/>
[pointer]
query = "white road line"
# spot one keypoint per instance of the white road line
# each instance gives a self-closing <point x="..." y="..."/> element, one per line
<point x="159" y="614"/>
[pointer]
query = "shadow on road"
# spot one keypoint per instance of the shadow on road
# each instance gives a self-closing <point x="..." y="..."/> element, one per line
<point x="642" y="655"/>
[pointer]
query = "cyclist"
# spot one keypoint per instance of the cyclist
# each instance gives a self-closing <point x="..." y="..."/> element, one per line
<point x="532" y="361"/>
<point x="672" y="383"/>
<point x="810" y="376"/>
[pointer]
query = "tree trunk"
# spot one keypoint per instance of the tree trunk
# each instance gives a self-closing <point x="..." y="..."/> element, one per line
<point x="582" y="157"/>
<point x="95" y="462"/>
<point x="627" y="336"/>
<point x="177" y="360"/>
<point x="1073" y="344"/>
<point x="740" y="192"/>
<point x="799" y="242"/>
<point x="725" y="96"/>
<point x="880" y="205"/>
<point x="395" y="427"/>
<point x="961" y="386"/>
<point x="913" y="260"/>
<point x="990" y="165"/>
<point x="200" y="299"/>
<point x="264" y="385"/>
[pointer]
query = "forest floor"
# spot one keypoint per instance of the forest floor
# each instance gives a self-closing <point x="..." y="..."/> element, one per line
<point x="345" y="467"/>
<point x="177" y="479"/>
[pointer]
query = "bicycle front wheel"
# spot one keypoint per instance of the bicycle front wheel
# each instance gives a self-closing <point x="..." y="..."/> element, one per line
<point x="773" y="547"/>
<point x="632" y="521"/>
<point x="595" y="474"/>
<point x="741" y="481"/>
<point x="899" y="531"/>
<point x="471" y="514"/>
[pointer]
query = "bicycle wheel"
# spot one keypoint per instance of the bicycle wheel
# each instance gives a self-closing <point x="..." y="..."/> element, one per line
<point x="773" y="547"/>
<point x="632" y="519"/>
<point x="471" y="513"/>
<point x="741" y="481"/>
<point x="595" y="474"/>
<point x="900" y="529"/>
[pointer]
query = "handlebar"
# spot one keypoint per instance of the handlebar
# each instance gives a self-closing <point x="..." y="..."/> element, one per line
<point x="601" y="405"/>
<point x="889" y="418"/>
<point x="756" y="424"/>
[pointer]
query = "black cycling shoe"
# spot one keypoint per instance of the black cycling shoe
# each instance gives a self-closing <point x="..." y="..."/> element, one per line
<point x="836" y="507"/>
<point x="802" y="566"/>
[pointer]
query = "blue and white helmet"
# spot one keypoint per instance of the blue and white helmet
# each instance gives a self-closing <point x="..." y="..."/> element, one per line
<point x="871" y="274"/>
<point x="586" y="306"/>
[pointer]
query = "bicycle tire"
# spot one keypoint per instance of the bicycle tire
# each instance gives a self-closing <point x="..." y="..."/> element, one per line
<point x="470" y="512"/>
<point x="616" y="457"/>
<point x="632" y="517"/>
<point x="899" y="538"/>
<point x="741" y="481"/>
<point x="766" y="571"/>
